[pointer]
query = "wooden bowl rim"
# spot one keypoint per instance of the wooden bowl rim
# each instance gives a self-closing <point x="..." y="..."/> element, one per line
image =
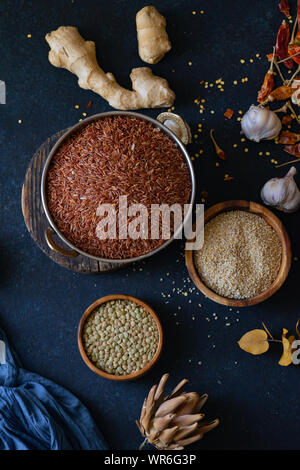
<point x="286" y="260"/>
<point x="106" y="375"/>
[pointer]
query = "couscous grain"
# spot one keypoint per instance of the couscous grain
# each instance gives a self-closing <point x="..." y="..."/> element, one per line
<point x="241" y="255"/>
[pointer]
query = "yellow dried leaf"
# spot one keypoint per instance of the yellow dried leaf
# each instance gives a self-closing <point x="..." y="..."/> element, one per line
<point x="291" y="340"/>
<point x="254" y="342"/>
<point x="297" y="331"/>
<point x="286" y="358"/>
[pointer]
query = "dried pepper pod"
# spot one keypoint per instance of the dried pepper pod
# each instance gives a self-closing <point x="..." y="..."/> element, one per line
<point x="174" y="421"/>
<point x="294" y="52"/>
<point x="282" y="44"/>
<point x="268" y="83"/>
<point x="221" y="154"/>
<point x="294" y="45"/>
<point x="287" y="137"/>
<point x="286" y="119"/>
<point x="270" y="56"/>
<point x="281" y="93"/>
<point x="284" y="7"/>
<point x="293" y="150"/>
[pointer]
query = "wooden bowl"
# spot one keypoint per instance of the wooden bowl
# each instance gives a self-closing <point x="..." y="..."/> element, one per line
<point x="134" y="375"/>
<point x="275" y="223"/>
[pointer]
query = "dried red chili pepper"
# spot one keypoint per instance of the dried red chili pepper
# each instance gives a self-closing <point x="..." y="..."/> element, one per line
<point x="229" y="113"/>
<point x="293" y="51"/>
<point x="286" y="119"/>
<point x="287" y="137"/>
<point x="221" y="154"/>
<point x="282" y="44"/>
<point x="268" y="84"/>
<point x="293" y="150"/>
<point x="281" y="93"/>
<point x="270" y="56"/>
<point x="284" y="7"/>
<point x="294" y="46"/>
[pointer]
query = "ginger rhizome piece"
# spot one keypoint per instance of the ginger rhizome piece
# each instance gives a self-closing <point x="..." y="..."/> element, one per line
<point x="70" y="51"/>
<point x="152" y="37"/>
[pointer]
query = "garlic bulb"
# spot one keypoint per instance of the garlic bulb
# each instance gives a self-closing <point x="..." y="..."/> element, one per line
<point x="282" y="193"/>
<point x="260" y="123"/>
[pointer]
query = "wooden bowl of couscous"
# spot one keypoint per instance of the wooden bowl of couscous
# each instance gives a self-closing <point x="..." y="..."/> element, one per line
<point x="120" y="337"/>
<point x="246" y="254"/>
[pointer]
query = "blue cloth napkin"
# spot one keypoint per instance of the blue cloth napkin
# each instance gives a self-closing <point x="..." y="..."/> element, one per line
<point x="37" y="414"/>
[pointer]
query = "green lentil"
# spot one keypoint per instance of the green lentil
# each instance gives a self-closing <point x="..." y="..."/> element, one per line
<point x="120" y="337"/>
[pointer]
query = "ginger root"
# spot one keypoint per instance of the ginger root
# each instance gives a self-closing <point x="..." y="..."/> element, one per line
<point x="70" y="51"/>
<point x="152" y="37"/>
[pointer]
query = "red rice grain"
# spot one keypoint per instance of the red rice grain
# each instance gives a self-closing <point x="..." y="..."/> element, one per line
<point x="108" y="158"/>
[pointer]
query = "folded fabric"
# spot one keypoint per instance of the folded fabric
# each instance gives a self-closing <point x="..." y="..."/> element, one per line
<point x="37" y="414"/>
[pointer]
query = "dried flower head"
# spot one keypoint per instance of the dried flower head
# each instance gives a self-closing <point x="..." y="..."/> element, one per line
<point x="174" y="421"/>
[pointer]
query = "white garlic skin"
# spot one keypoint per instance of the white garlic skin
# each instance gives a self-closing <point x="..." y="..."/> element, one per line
<point x="174" y="127"/>
<point x="260" y="123"/>
<point x="282" y="193"/>
<point x="180" y="128"/>
<point x="296" y="96"/>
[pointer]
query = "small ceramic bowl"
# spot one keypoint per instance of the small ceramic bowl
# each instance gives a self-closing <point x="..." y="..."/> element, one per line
<point x="134" y="375"/>
<point x="275" y="223"/>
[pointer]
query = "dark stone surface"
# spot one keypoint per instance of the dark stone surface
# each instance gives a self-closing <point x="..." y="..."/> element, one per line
<point x="41" y="303"/>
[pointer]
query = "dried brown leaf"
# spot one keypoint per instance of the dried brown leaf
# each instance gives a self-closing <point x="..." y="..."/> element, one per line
<point x="185" y="431"/>
<point x="167" y="435"/>
<point x="254" y="342"/>
<point x="201" y="402"/>
<point x="159" y="394"/>
<point x="170" y="406"/>
<point x="177" y="389"/>
<point x="186" y="420"/>
<point x="188" y="407"/>
<point x="163" y="422"/>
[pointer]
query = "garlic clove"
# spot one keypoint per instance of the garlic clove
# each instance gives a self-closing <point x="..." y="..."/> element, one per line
<point x="296" y="97"/>
<point x="177" y="125"/>
<point x="282" y="193"/>
<point x="296" y="83"/>
<point x="260" y="123"/>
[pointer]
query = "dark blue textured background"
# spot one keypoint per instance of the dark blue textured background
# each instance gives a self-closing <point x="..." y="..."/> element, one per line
<point x="41" y="303"/>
